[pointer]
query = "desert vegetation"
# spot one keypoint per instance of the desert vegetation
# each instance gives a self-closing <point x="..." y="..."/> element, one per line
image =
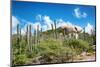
<point x="51" y="46"/>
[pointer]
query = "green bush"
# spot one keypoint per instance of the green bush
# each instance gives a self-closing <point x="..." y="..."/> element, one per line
<point x="20" y="59"/>
<point x="77" y="44"/>
<point x="52" y="51"/>
<point x="91" y="49"/>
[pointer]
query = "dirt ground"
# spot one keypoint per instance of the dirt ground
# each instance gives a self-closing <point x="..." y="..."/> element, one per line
<point x="86" y="58"/>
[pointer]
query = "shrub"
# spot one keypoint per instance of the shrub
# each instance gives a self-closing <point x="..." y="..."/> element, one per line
<point x="77" y="44"/>
<point x="20" y="59"/>
<point x="91" y="49"/>
<point x="52" y="51"/>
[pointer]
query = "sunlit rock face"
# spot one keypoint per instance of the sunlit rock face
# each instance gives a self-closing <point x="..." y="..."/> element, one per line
<point x="71" y="30"/>
<point x="68" y="28"/>
<point x="78" y="29"/>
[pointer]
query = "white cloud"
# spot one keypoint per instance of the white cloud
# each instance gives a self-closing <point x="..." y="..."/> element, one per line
<point x="89" y="28"/>
<point x="63" y="23"/>
<point x="14" y="32"/>
<point x="15" y="21"/>
<point x="84" y="14"/>
<point x="47" y="22"/>
<point x="79" y="14"/>
<point x="23" y="29"/>
<point x="39" y="17"/>
<point x="44" y="27"/>
<point x="34" y="26"/>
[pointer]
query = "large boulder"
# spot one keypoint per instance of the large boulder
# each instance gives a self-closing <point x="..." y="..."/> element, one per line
<point x="71" y="30"/>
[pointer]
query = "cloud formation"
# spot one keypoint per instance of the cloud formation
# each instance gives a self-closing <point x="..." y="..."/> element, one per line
<point x="89" y="28"/>
<point x="69" y="24"/>
<point x="63" y="23"/>
<point x="15" y="21"/>
<point x="79" y="14"/>
<point x="47" y="21"/>
<point x="34" y="26"/>
<point x="39" y="17"/>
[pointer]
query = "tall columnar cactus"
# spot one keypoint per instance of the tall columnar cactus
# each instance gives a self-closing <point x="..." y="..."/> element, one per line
<point x="26" y="38"/>
<point x="64" y="32"/>
<point x="30" y="38"/>
<point x="55" y="29"/>
<point x="38" y="34"/>
<point x="30" y="34"/>
<point x="19" y="37"/>
<point x="41" y="33"/>
<point x="84" y="32"/>
<point x="52" y="26"/>
<point x="27" y="35"/>
<point x="17" y="34"/>
<point x="34" y="36"/>
<point x="52" y="29"/>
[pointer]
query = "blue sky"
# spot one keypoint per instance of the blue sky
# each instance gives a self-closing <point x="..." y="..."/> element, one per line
<point x="45" y="13"/>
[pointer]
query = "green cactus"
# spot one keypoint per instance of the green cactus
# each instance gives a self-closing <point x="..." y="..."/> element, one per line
<point x="19" y="38"/>
<point x="34" y="36"/>
<point x="64" y="32"/>
<point x="18" y="34"/>
<point x="26" y="35"/>
<point x="55" y="29"/>
<point x="37" y="34"/>
<point x="30" y="38"/>
<point x="84" y="32"/>
<point x="34" y="40"/>
<point x="52" y="29"/>
<point x="41" y="33"/>
<point x="27" y="39"/>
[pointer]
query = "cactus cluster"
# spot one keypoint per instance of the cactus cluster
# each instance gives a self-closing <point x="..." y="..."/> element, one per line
<point x="37" y="36"/>
<point x="29" y="38"/>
